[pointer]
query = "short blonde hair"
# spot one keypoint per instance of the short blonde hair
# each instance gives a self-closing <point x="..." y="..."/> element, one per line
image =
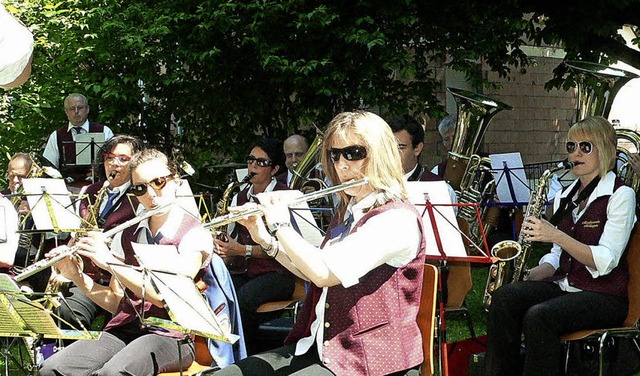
<point x="601" y="133"/>
<point x="382" y="165"/>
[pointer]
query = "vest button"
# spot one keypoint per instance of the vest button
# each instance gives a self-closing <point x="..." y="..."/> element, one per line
<point x="325" y="343"/>
<point x="326" y="361"/>
<point x="326" y="324"/>
<point x="326" y="306"/>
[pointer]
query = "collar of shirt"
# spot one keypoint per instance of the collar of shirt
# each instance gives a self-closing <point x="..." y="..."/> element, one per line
<point x="408" y="175"/>
<point x="122" y="189"/>
<point x="270" y="187"/>
<point x="359" y="209"/>
<point x="168" y="228"/>
<point x="84" y="126"/>
<point x="604" y="187"/>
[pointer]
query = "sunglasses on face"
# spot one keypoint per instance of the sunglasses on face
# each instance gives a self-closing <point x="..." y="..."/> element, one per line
<point x="350" y="153"/>
<point x="261" y="162"/>
<point x="586" y="147"/>
<point x="120" y="158"/>
<point x="157" y="184"/>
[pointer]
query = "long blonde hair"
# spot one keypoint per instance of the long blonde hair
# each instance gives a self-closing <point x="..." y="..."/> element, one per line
<point x="599" y="131"/>
<point x="382" y="165"/>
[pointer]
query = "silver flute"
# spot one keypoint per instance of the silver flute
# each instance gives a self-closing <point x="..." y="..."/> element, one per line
<point x="41" y="265"/>
<point x="234" y="217"/>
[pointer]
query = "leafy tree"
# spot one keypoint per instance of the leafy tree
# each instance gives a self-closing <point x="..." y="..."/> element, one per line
<point x="211" y="75"/>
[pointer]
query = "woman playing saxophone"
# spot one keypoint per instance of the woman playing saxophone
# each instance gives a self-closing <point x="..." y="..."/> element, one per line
<point x="582" y="282"/>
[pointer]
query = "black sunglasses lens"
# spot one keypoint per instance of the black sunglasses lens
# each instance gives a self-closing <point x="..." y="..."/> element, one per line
<point x="354" y="153"/>
<point x="334" y="155"/>
<point x="571" y="147"/>
<point x="585" y="147"/>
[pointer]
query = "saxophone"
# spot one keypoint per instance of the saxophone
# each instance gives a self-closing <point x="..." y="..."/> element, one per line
<point x="235" y="264"/>
<point x="513" y="255"/>
<point x="90" y="221"/>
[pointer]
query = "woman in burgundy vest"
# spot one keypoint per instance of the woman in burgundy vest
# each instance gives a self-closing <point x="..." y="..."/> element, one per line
<point x="257" y="278"/>
<point x="582" y="282"/>
<point x="359" y="317"/>
<point x="126" y="347"/>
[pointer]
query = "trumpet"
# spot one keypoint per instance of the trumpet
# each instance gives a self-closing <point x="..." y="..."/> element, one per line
<point x="45" y="263"/>
<point x="234" y="217"/>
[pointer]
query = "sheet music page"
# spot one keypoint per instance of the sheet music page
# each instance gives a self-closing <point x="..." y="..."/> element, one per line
<point x="516" y="175"/>
<point x="301" y="213"/>
<point x="186" y="199"/>
<point x="83" y="147"/>
<point x="445" y="217"/>
<point x="185" y="303"/>
<point x="7" y="284"/>
<point x="50" y="201"/>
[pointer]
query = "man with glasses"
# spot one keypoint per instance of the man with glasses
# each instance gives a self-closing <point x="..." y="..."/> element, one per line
<point x="447" y="129"/>
<point x="61" y="147"/>
<point x="114" y="208"/>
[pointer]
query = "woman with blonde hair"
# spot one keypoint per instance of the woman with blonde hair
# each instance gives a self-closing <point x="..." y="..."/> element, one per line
<point x="359" y="317"/>
<point x="582" y="282"/>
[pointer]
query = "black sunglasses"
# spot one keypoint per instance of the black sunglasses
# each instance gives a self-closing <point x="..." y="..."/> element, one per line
<point x="261" y="162"/>
<point x="157" y="184"/>
<point x="586" y="147"/>
<point x="350" y="153"/>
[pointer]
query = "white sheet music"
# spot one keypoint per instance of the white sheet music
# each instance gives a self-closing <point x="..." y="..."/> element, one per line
<point x="183" y="300"/>
<point x="516" y="175"/>
<point x="50" y="204"/>
<point x="83" y="147"/>
<point x="445" y="217"/>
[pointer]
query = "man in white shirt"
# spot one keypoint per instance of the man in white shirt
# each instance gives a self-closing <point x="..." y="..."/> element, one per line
<point x="61" y="148"/>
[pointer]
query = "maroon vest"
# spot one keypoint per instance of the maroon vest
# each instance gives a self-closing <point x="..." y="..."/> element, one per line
<point x="126" y="312"/>
<point x="371" y="327"/>
<point x="589" y="229"/>
<point x="257" y="266"/>
<point x="67" y="153"/>
<point x="122" y="212"/>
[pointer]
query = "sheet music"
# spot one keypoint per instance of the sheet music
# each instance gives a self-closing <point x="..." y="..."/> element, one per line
<point x="186" y="199"/>
<point x="83" y="147"/>
<point x="517" y="176"/>
<point x="445" y="217"/>
<point x="183" y="300"/>
<point x="50" y="202"/>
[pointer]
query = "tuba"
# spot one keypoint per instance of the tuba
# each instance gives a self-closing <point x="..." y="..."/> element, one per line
<point x="301" y="175"/>
<point x="468" y="173"/>
<point x="597" y="85"/>
<point x="625" y="171"/>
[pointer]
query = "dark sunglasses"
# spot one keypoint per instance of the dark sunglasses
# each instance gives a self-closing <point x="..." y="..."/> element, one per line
<point x="350" y="153"/>
<point x="261" y="162"/>
<point x="586" y="147"/>
<point x="120" y="158"/>
<point x="157" y="184"/>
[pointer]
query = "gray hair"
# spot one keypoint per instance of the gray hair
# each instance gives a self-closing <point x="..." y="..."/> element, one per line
<point x="447" y="124"/>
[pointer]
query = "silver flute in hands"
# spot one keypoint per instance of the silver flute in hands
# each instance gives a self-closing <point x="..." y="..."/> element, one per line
<point x="45" y="263"/>
<point x="234" y="217"/>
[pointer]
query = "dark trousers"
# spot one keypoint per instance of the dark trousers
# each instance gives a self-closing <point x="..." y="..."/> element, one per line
<point x="542" y="312"/>
<point x="148" y="354"/>
<point x="282" y="361"/>
<point x="252" y="292"/>
<point x="80" y="308"/>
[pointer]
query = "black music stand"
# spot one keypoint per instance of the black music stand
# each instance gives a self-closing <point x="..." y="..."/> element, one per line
<point x="437" y="217"/>
<point x="86" y="147"/>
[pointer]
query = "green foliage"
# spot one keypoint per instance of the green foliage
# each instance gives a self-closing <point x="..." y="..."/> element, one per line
<point x="212" y="75"/>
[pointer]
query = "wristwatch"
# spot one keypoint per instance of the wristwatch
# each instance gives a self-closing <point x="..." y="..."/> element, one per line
<point x="248" y="251"/>
<point x="274" y="227"/>
<point x="272" y="249"/>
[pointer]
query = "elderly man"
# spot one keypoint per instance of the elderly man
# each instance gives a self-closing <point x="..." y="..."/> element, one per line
<point x="447" y="129"/>
<point x="295" y="147"/>
<point x="61" y="148"/>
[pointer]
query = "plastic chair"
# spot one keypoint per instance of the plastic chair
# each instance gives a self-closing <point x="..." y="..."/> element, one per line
<point x="427" y="316"/>
<point x="630" y="325"/>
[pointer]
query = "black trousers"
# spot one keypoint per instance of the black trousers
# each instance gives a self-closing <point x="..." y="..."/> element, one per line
<point x="542" y="312"/>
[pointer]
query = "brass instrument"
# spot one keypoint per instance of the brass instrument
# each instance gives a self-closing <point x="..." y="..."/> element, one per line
<point x="235" y="264"/>
<point x="45" y="263"/>
<point x="513" y="255"/>
<point x="90" y="221"/>
<point x="597" y="85"/>
<point x="235" y="217"/>
<point x="625" y="171"/>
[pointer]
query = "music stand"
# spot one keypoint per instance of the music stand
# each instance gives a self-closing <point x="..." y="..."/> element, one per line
<point x="87" y="145"/>
<point x="22" y="315"/>
<point x="439" y="219"/>
<point x="50" y="205"/>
